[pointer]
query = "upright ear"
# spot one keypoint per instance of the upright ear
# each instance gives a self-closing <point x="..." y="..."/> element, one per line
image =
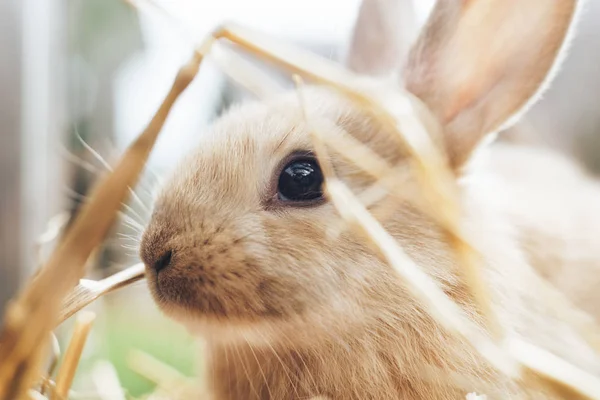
<point x="383" y="33"/>
<point x="479" y="63"/>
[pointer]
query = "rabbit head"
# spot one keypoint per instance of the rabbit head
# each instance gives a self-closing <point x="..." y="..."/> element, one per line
<point x="241" y="236"/>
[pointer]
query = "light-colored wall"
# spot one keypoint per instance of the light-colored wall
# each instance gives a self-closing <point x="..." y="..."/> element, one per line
<point x="10" y="125"/>
<point x="567" y="118"/>
<point x="32" y="124"/>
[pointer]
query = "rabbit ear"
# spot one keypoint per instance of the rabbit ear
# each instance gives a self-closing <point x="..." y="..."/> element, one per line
<point x="383" y="33"/>
<point x="478" y="63"/>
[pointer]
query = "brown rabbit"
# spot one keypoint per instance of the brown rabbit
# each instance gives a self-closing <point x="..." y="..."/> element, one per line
<point x="239" y="246"/>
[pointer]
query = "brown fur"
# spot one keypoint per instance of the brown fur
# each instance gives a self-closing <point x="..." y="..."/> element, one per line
<point x="291" y="311"/>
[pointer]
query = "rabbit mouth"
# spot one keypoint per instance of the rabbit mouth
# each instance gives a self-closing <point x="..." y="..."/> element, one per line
<point x="194" y="294"/>
<point x="223" y="297"/>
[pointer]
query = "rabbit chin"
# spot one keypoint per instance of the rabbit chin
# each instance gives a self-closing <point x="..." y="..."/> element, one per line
<point x="255" y="331"/>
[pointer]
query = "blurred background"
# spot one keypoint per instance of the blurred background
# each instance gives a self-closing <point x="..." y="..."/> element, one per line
<point x="80" y="78"/>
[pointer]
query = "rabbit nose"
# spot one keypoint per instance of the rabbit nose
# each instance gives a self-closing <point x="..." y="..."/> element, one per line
<point x="163" y="262"/>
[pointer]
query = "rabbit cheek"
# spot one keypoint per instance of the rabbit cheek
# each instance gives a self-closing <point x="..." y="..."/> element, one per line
<point x="213" y="278"/>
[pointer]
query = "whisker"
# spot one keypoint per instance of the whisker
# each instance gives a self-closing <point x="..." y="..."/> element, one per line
<point x="128" y="236"/>
<point x="129" y="221"/>
<point x="258" y="363"/>
<point x="82" y="198"/>
<point x="106" y="165"/>
<point x="74" y="194"/>
<point x="73" y="158"/>
<point x="286" y="369"/>
<point x="134" y="213"/>
<point x="310" y="375"/>
<point x="226" y="349"/>
<point x="249" y="380"/>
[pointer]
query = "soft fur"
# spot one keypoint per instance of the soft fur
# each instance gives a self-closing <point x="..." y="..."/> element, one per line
<point x="291" y="310"/>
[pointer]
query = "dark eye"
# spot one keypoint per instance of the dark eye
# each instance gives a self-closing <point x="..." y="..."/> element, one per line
<point x="301" y="180"/>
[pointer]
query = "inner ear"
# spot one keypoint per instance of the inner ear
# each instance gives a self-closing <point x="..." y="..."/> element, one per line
<point x="480" y="63"/>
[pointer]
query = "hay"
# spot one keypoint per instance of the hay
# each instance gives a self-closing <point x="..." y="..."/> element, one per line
<point x="35" y="312"/>
<point x="65" y="376"/>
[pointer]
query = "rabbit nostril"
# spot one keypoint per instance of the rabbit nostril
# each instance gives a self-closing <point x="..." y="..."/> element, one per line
<point x="164" y="261"/>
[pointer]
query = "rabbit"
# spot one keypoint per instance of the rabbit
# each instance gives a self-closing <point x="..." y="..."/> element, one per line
<point x="239" y="246"/>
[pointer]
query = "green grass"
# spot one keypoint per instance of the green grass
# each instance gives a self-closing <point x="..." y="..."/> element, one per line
<point x="159" y="338"/>
<point x="121" y="329"/>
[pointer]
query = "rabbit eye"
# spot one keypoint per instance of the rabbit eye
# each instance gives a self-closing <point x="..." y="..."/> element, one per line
<point x="301" y="180"/>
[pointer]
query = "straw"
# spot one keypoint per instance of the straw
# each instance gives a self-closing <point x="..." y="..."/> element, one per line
<point x="66" y="373"/>
<point x="30" y="317"/>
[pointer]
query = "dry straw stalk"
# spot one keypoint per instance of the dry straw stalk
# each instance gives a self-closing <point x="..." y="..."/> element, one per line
<point x="34" y="313"/>
<point x="88" y="291"/>
<point x="66" y="373"/>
